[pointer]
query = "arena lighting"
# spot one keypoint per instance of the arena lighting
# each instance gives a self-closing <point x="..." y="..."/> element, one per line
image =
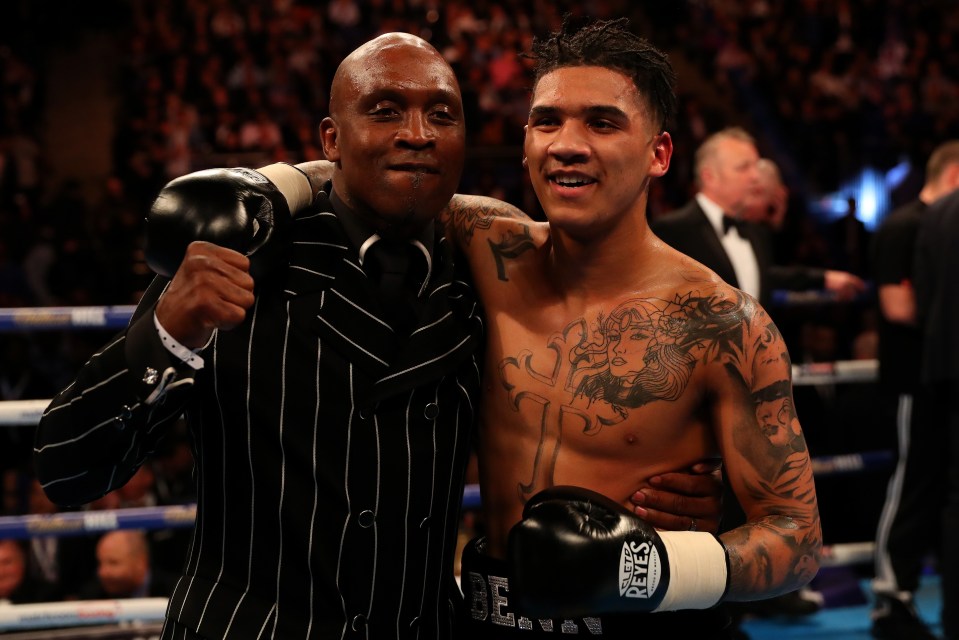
<point x="871" y="189"/>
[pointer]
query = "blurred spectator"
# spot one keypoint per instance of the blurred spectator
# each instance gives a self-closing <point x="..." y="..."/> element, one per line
<point x="850" y="240"/>
<point x="16" y="586"/>
<point x="124" y="570"/>
<point x="20" y="379"/>
<point x="64" y="562"/>
<point x="768" y="204"/>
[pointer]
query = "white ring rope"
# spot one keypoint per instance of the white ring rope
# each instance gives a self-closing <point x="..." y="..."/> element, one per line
<point x="80" y="612"/>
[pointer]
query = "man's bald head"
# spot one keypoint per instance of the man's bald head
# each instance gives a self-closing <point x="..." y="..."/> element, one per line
<point x="395" y="133"/>
<point x="363" y="60"/>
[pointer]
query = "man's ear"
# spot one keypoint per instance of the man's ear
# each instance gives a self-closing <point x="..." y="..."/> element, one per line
<point x="328" y="137"/>
<point x="662" y="154"/>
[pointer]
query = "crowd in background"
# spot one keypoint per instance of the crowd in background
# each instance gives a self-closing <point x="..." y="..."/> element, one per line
<point x="827" y="87"/>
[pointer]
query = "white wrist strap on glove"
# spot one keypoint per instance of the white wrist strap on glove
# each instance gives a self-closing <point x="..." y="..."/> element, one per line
<point x="292" y="183"/>
<point x="697" y="570"/>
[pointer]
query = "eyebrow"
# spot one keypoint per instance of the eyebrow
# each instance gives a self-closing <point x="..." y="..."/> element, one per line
<point x="596" y="110"/>
<point x="435" y="94"/>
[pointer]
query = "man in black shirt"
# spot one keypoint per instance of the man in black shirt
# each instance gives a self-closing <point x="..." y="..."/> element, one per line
<point x="909" y="524"/>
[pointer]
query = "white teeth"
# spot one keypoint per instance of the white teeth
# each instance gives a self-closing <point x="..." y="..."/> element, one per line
<point x="569" y="181"/>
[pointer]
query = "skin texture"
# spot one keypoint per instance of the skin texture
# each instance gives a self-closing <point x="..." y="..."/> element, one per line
<point x="395" y="133"/>
<point x="12" y="567"/>
<point x="729" y="174"/>
<point x="122" y="562"/>
<point x="613" y="358"/>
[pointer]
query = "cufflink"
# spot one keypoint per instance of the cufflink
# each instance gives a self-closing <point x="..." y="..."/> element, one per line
<point x="150" y="376"/>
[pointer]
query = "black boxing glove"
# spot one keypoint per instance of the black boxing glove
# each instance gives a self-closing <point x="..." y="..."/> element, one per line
<point x="239" y="209"/>
<point x="577" y="553"/>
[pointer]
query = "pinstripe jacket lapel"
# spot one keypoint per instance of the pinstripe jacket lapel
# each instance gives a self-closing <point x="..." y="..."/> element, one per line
<point x="331" y="294"/>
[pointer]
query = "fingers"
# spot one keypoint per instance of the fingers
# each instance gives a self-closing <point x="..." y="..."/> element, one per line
<point x="699" y="484"/>
<point x="677" y="513"/>
<point x="713" y="466"/>
<point x="673" y="500"/>
<point x="212" y="289"/>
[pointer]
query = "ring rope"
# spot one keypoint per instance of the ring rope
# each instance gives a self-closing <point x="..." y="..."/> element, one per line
<point x="57" y="318"/>
<point x="75" y="523"/>
<point x="81" y="612"/>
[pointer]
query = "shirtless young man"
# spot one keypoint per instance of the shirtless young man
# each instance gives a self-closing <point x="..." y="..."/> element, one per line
<point x="610" y="358"/>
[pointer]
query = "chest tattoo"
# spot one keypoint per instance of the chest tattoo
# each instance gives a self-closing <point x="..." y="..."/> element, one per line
<point x="594" y="371"/>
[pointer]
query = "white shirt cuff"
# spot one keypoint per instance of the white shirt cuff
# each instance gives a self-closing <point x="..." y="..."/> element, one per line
<point x="185" y="354"/>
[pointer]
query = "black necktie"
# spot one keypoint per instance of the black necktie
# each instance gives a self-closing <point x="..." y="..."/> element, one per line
<point x="390" y="267"/>
<point x="732" y="223"/>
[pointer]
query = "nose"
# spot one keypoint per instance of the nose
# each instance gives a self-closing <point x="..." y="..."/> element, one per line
<point x="416" y="132"/>
<point x="569" y="144"/>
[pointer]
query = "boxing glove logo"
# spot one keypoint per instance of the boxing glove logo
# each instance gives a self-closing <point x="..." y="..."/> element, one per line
<point x="640" y="569"/>
<point x="251" y="175"/>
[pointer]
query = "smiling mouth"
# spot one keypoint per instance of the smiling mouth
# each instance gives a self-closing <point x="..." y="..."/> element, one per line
<point x="571" y="182"/>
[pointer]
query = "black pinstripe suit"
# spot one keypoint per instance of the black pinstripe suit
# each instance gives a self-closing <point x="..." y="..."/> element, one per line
<point x="330" y="454"/>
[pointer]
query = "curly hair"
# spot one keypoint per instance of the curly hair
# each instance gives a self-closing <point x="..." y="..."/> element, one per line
<point x="610" y="44"/>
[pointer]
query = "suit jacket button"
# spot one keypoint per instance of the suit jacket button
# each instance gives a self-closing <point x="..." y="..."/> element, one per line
<point x="359" y="621"/>
<point x="431" y="411"/>
<point x="366" y="519"/>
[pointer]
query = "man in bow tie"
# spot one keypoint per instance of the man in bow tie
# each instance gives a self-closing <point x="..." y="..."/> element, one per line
<point x="714" y="229"/>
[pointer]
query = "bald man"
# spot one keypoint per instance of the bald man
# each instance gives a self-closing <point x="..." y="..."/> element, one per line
<point x="124" y="569"/>
<point x="330" y="418"/>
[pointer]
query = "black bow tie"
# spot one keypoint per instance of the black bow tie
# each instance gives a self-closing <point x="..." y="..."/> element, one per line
<point x="732" y="223"/>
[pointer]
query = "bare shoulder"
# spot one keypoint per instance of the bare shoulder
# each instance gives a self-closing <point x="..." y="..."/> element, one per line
<point x="732" y="331"/>
<point x="467" y="217"/>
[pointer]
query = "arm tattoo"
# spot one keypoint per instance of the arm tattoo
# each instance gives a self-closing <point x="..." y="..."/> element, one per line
<point x="466" y="214"/>
<point x="511" y="246"/>
<point x="777" y="471"/>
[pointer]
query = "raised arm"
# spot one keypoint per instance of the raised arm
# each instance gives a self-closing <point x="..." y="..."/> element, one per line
<point x="767" y="463"/>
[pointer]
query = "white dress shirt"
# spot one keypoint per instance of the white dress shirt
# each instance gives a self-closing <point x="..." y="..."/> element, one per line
<point x="738" y="249"/>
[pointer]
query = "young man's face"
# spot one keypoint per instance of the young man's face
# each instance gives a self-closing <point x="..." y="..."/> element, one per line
<point x="591" y="148"/>
<point x="397" y="135"/>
